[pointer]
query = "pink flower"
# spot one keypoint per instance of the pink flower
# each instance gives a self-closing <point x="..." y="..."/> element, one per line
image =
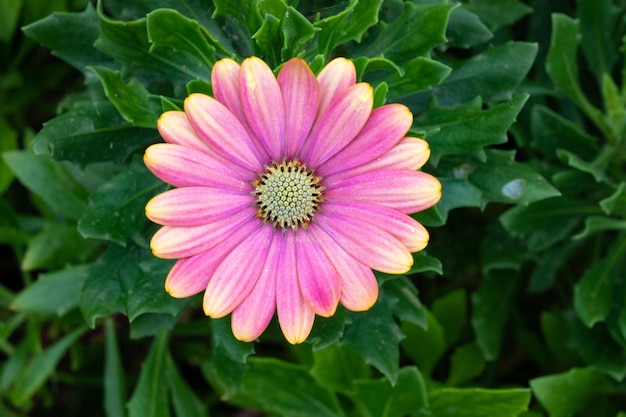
<point x="290" y="190"/>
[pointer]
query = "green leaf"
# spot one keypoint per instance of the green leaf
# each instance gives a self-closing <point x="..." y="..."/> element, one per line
<point x="49" y="181"/>
<point x="8" y="143"/>
<point x="337" y="367"/>
<point x="283" y="388"/>
<point x="327" y="330"/>
<point x="491" y="307"/>
<point x="150" y="396"/>
<point x="54" y="293"/>
<point x="493" y="74"/>
<point x="597" y="22"/>
<point x="267" y="39"/>
<point x="557" y="335"/>
<point x="297" y="32"/>
<point x="458" y="192"/>
<point x="419" y="74"/>
<point x="150" y="324"/>
<point x="245" y="12"/>
<point x="376" y="324"/>
<point x="186" y="403"/>
<point x="502" y="180"/>
<point x="132" y="100"/>
<point x="70" y="36"/>
<point x="498" y="14"/>
<point x="41" y="367"/>
<point x="55" y="246"/>
<point x="424" y="345"/>
<point x="563" y="395"/>
<point x="593" y="293"/>
<point x="91" y="132"/>
<point x="478" y="402"/>
<point x="9" y="17"/>
<point x="332" y="30"/>
<point x="189" y="43"/>
<point x="450" y="311"/>
<point x="102" y="293"/>
<point x="382" y="399"/>
<point x="615" y="204"/>
<point x="225" y="344"/>
<point x="466" y="363"/>
<point x="597" y="224"/>
<point x="114" y="381"/>
<point x="468" y="128"/>
<point x="115" y="210"/>
<point x="501" y="251"/>
<point x="405" y="303"/>
<point x="551" y="132"/>
<point x="465" y="29"/>
<point x="418" y="29"/>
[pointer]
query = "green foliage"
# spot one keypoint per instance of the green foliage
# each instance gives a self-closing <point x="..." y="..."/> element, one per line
<point x="522" y="285"/>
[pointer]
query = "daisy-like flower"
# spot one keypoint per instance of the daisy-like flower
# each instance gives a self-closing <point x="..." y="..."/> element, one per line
<point x="290" y="191"/>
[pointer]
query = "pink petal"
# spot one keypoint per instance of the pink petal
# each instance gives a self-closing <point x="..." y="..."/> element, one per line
<point x="194" y="206"/>
<point x="294" y="315"/>
<point x="410" y="154"/>
<point x="184" y="167"/>
<point x="339" y="124"/>
<point x="335" y="77"/>
<point x="386" y="126"/>
<point x="175" y="128"/>
<point x="368" y="244"/>
<point x="406" y="229"/>
<point x="236" y="276"/>
<point x="300" y="92"/>
<point x="191" y="275"/>
<point x="254" y="313"/>
<point x="403" y="190"/>
<point x="262" y="104"/>
<point x="181" y="242"/>
<point x="225" y="84"/>
<point x="318" y="278"/>
<point x="359" y="289"/>
<point x="223" y="131"/>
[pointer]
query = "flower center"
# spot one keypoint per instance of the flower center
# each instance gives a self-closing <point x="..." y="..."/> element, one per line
<point x="288" y="194"/>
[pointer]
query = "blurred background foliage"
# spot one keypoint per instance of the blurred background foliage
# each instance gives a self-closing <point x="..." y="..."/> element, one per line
<point x="518" y="308"/>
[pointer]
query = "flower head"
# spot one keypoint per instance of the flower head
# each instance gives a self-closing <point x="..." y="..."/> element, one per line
<point x="290" y="190"/>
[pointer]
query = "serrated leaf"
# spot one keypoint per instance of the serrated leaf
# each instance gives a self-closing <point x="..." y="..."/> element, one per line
<point x="501" y="179"/>
<point x="327" y="330"/>
<point x="597" y="168"/>
<point x="501" y="13"/>
<point x="594" y="291"/>
<point x="226" y="345"/>
<point x="150" y="397"/>
<point x="247" y="12"/>
<point x="268" y="39"/>
<point x="406" y="304"/>
<point x="115" y="210"/>
<point x="297" y="32"/>
<point x="114" y="383"/>
<point x="71" y="36"/>
<point x="150" y="324"/>
<point x="375" y="335"/>
<point x="563" y="395"/>
<point x="49" y="181"/>
<point x="135" y="104"/>
<point x="493" y="75"/>
<point x="419" y="74"/>
<point x="478" y="402"/>
<point x="418" y="29"/>
<point x="332" y="29"/>
<point x="91" y="132"/>
<point x="615" y="204"/>
<point x="468" y="128"/>
<point x="54" y="293"/>
<point x="189" y="43"/>
<point x="597" y="224"/>
<point x="457" y="192"/>
<point x="41" y="367"/>
<point x="382" y="399"/>
<point x="491" y="307"/>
